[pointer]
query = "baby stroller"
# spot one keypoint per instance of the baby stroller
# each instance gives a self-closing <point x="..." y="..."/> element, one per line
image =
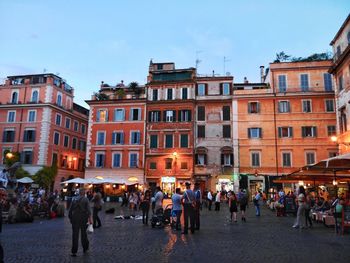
<point x="157" y="219"/>
<point x="167" y="214"/>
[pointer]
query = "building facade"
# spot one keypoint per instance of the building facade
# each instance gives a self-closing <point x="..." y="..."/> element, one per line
<point x="341" y="71"/>
<point x="40" y="121"/>
<point x="215" y="151"/>
<point x="116" y="135"/>
<point x="170" y="126"/>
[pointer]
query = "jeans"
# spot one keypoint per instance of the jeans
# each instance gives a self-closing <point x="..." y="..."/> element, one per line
<point x="188" y="214"/>
<point x="307" y="217"/>
<point x="257" y="210"/>
<point x="145" y="211"/>
<point x="96" y="219"/>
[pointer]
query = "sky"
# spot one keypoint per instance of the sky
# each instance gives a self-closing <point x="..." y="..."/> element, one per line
<point x="87" y="42"/>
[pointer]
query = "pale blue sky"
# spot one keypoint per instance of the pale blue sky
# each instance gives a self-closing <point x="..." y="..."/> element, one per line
<point x="89" y="41"/>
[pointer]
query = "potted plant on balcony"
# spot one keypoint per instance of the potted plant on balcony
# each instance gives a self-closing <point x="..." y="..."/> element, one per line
<point x="120" y="93"/>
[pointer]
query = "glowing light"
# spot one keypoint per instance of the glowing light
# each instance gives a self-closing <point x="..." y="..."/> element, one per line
<point x="133" y="179"/>
<point x="99" y="177"/>
<point x="9" y="155"/>
<point x="175" y="154"/>
<point x="123" y="186"/>
<point x="74" y="158"/>
<point x="335" y="182"/>
<point x="301" y="183"/>
<point x="334" y="138"/>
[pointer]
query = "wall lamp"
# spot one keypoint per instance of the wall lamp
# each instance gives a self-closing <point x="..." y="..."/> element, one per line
<point x="335" y="139"/>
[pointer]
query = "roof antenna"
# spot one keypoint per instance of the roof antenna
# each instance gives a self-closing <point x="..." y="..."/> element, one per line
<point x="225" y="60"/>
<point x="197" y="59"/>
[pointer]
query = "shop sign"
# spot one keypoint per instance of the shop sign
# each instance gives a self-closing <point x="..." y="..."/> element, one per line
<point x="168" y="179"/>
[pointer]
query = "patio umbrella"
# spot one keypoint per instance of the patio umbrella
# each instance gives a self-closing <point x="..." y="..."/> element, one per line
<point x="76" y="180"/>
<point x="337" y="163"/>
<point x="25" y="180"/>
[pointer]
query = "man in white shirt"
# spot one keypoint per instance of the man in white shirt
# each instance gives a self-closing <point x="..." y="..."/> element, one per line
<point x="158" y="199"/>
<point x="210" y="200"/>
<point x="217" y="201"/>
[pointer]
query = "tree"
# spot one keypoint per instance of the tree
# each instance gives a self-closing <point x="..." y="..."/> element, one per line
<point x="45" y="176"/>
<point x="314" y="57"/>
<point x="11" y="158"/>
<point x="282" y="57"/>
<point x="134" y="86"/>
<point x="120" y="93"/>
<point x="101" y="96"/>
<point x="20" y="173"/>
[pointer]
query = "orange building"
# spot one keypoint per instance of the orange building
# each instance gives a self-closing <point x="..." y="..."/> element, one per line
<point x="170" y="125"/>
<point x="285" y="124"/>
<point x="341" y="72"/>
<point x="40" y="121"/>
<point x="116" y="134"/>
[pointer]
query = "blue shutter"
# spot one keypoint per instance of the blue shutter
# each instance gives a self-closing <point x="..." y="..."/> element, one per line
<point x="138" y="138"/>
<point x="121" y="138"/>
<point x="98" y="116"/>
<point x="327" y="78"/>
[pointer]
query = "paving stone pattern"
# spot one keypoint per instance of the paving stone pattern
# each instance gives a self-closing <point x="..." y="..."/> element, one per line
<point x="262" y="239"/>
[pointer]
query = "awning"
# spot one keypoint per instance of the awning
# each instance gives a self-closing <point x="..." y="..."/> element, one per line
<point x="25" y="180"/>
<point x="75" y="181"/>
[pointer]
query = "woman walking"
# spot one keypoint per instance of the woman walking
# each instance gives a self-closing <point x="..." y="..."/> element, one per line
<point x="97" y="207"/>
<point x="145" y="204"/>
<point x="232" y="203"/>
<point x="308" y="206"/>
<point x="243" y="202"/>
<point x="299" y="223"/>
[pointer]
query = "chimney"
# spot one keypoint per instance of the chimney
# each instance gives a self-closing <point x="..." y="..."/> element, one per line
<point x="246" y="80"/>
<point x="262" y="76"/>
<point x="213" y="73"/>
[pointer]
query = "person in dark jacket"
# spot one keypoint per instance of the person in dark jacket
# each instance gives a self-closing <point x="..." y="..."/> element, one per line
<point x="97" y="207"/>
<point x="79" y="215"/>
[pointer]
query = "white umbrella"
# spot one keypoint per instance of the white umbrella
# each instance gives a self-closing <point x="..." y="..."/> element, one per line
<point x="25" y="180"/>
<point x="76" y="180"/>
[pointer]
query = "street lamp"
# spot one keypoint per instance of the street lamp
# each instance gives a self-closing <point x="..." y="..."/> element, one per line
<point x="336" y="140"/>
<point x="9" y="155"/>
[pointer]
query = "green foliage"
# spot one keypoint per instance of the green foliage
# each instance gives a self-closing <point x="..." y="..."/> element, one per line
<point x="120" y="93"/>
<point x="45" y="176"/>
<point x="101" y="96"/>
<point x="133" y="85"/>
<point x="282" y="57"/>
<point x="10" y="161"/>
<point x="20" y="173"/>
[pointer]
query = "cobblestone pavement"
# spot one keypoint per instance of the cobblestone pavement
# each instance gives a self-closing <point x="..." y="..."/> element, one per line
<point x="265" y="239"/>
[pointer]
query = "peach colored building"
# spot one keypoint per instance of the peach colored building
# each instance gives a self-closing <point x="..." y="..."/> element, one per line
<point x="116" y="135"/>
<point x="341" y="72"/>
<point x="40" y="121"/>
<point x="216" y="158"/>
<point x="286" y="123"/>
<point x="170" y="126"/>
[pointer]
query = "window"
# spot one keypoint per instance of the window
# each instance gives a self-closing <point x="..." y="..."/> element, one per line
<point x="226" y="131"/>
<point x="153" y="165"/>
<point x="310" y="158"/>
<point x="286" y="159"/>
<point x="184" y="140"/>
<point x="133" y="160"/>
<point x="153" y="141"/>
<point x="185" y="115"/>
<point x="332" y="154"/>
<point x="201" y="159"/>
<point x="31" y="115"/>
<point x="83" y="128"/>
<point x="54" y="160"/>
<point x="255" y="159"/>
<point x="100" y="138"/>
<point x="56" y="138"/>
<point x="8" y="136"/>
<point x="338" y="51"/>
<point x="201" y="113"/>
<point x="253" y="107"/>
<point x="225" y="89"/>
<point x="27" y="156"/>
<point x="135" y="137"/>
<point x="201" y="131"/>
<point x="58" y="119"/>
<point x="76" y="126"/>
<point x="155" y="94"/>
<point x="118" y="137"/>
<point x="308" y="131"/>
<point x="35" y="96"/>
<point x="306" y="105"/>
<point x="201" y="89"/>
<point x="327" y="79"/>
<point x="116" y="160"/>
<point x="119" y="115"/>
<point x="29" y="135"/>
<point x="329" y="105"/>
<point x="135" y="114"/>
<point x="82" y="146"/>
<point x="227" y="159"/>
<point x="68" y="123"/>
<point x="184" y="166"/>
<point x="154" y="116"/>
<point x="254" y="133"/>
<point x="184" y="93"/>
<point x="11" y="116"/>
<point x="59" y="99"/>
<point x="304" y="82"/>
<point x="159" y="66"/>
<point x="14" y="97"/>
<point x="285" y="132"/>
<point x="74" y="143"/>
<point x="169" y="94"/>
<point x="340" y="83"/>
<point x="283" y="106"/>
<point x="102" y="116"/>
<point x="168" y="163"/>
<point x="343" y="120"/>
<point x="226" y="113"/>
<point x="331" y="130"/>
<point x="282" y="83"/>
<point x="170" y="116"/>
<point x="100" y="160"/>
<point x="66" y="141"/>
<point x="169" y="141"/>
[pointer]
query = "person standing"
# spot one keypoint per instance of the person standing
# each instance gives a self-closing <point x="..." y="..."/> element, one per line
<point x="79" y="215"/>
<point x="188" y="200"/>
<point x="145" y="204"/>
<point x="97" y="207"/>
<point x="308" y="206"/>
<point x="217" y="201"/>
<point x="301" y="209"/>
<point x="177" y="210"/>
<point x="210" y="200"/>
<point x="158" y="199"/>
<point x="232" y="203"/>
<point x="256" y="201"/>
<point x="198" y="199"/>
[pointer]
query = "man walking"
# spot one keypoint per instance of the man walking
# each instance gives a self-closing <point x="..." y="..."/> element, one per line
<point x="188" y="201"/>
<point x="158" y="198"/>
<point x="177" y="210"/>
<point x="217" y="201"/>
<point x="210" y="200"/>
<point x="198" y="199"/>
<point x="79" y="215"/>
<point x="256" y="201"/>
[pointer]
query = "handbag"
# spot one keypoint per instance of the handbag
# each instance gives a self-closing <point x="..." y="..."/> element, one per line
<point x="90" y="229"/>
